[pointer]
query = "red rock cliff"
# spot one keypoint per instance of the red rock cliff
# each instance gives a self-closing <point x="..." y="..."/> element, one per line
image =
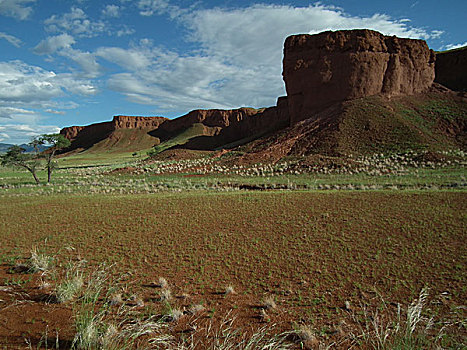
<point x="86" y="136"/>
<point x="451" y="69"/>
<point x="330" y="67"/>
<point x="130" y="122"/>
<point x="209" y="117"/>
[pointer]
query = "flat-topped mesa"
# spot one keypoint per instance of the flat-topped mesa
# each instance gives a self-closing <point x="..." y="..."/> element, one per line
<point x="118" y="122"/>
<point x="137" y="122"/>
<point x="209" y="117"/>
<point x="330" y="67"/>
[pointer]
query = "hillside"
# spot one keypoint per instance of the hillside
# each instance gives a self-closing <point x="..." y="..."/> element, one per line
<point x="434" y="121"/>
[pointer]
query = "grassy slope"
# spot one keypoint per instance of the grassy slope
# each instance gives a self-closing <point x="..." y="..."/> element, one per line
<point x="425" y="122"/>
<point x="432" y="121"/>
<point x="197" y="129"/>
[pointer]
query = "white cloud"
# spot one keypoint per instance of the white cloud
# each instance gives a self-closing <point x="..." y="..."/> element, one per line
<point x="53" y="111"/>
<point x="111" y="11"/>
<point x="77" y="22"/>
<point x="16" y="8"/>
<point x="125" y="31"/>
<point x="132" y="59"/>
<point x="11" y="39"/>
<point x="26" y="92"/>
<point x="453" y="46"/>
<point x="149" y="7"/>
<point x="9" y="112"/>
<point x="86" y="60"/>
<point x="54" y="43"/>
<point x="62" y="44"/>
<point x="255" y="35"/>
<point x="23" y="133"/>
<point x="3" y="137"/>
<point x="25" y="88"/>
<point x="158" y="7"/>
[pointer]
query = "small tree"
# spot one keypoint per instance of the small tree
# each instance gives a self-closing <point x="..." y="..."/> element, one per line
<point x="15" y="156"/>
<point x="56" y="142"/>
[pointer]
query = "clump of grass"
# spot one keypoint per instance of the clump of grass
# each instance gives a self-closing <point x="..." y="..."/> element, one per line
<point x="137" y="300"/>
<point x="307" y="337"/>
<point x="40" y="262"/>
<point x="162" y="283"/>
<point x="196" y="308"/>
<point x="227" y="337"/>
<point x="381" y="331"/>
<point x="165" y="294"/>
<point x="229" y="290"/>
<point x="69" y="288"/>
<point x="94" y="329"/>
<point x="269" y="303"/>
<point x="116" y="300"/>
<point x="175" y="315"/>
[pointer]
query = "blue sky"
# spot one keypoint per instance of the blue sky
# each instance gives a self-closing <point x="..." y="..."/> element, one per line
<point x="75" y="62"/>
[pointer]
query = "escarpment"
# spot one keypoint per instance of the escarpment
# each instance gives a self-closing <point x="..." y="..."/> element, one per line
<point x="331" y="67"/>
<point x="343" y="92"/>
<point x="87" y="136"/>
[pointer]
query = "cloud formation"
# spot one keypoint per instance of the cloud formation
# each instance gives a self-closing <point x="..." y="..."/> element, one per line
<point x="76" y="22"/>
<point x="111" y="11"/>
<point x="26" y="91"/>
<point x="454" y="46"/>
<point x="16" y="8"/>
<point x="23" y="133"/>
<point x="11" y="39"/>
<point x="54" y="43"/>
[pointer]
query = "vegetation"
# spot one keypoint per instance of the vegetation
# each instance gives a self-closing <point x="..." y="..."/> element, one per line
<point x="55" y="142"/>
<point x="304" y="253"/>
<point x="15" y="156"/>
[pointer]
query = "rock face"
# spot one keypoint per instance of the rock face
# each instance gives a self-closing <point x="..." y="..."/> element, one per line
<point x="209" y="117"/>
<point x="331" y="67"/>
<point x="86" y="136"/>
<point x="451" y="69"/>
<point x="130" y="122"/>
<point x="244" y="124"/>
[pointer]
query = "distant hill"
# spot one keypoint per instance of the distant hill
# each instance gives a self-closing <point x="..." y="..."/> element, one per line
<point x="4" y="147"/>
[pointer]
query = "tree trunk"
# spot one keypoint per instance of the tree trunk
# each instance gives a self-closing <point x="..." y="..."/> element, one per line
<point x="35" y="177"/>
<point x="49" y="165"/>
<point x="32" y="170"/>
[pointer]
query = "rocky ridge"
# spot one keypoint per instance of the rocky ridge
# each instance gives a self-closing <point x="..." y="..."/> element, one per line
<point x="321" y="72"/>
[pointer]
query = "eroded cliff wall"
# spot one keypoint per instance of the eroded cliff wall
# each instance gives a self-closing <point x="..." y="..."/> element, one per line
<point x="330" y="67"/>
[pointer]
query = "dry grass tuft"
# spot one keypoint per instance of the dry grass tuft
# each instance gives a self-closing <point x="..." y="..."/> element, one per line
<point x="229" y="290"/>
<point x="162" y="283"/>
<point x="165" y="294"/>
<point x="269" y="303"/>
<point x="196" y="308"/>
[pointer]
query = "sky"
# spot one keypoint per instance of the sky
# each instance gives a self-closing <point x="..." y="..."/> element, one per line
<point x="77" y="62"/>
